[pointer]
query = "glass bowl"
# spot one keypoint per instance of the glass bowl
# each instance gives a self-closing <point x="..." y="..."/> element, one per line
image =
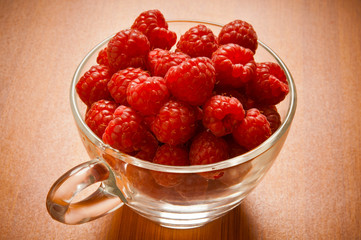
<point x="127" y="180"/>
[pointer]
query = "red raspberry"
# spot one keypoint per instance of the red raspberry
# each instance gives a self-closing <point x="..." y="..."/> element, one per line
<point x="152" y="23"/>
<point x="147" y="94"/>
<point x="141" y="181"/>
<point x="148" y="147"/>
<point x="234" y="149"/>
<point x="193" y="187"/>
<point x="102" y="58"/>
<point x="92" y="86"/>
<point x="119" y="82"/>
<point x="162" y="38"/>
<point x="234" y="65"/>
<point x="239" y="32"/>
<point x="99" y="115"/>
<point x="128" y="48"/>
<point x="246" y="102"/>
<point x="125" y="132"/>
<point x="175" y="123"/>
<point x="159" y="61"/>
<point x="206" y="149"/>
<point x="270" y="84"/>
<point x="192" y="81"/>
<point x="272" y="115"/>
<point x="236" y="174"/>
<point x="156" y="53"/>
<point x="173" y="156"/>
<point x="148" y="121"/>
<point x="148" y="20"/>
<point x="227" y="91"/>
<point x="253" y="130"/>
<point x="198" y="41"/>
<point x="221" y="114"/>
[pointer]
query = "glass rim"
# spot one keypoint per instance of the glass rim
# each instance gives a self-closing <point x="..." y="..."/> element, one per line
<point x="193" y="168"/>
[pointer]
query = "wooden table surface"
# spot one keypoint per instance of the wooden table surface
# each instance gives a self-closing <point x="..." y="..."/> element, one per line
<point x="313" y="191"/>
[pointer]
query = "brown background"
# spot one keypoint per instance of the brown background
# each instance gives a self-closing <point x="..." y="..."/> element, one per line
<point x="311" y="192"/>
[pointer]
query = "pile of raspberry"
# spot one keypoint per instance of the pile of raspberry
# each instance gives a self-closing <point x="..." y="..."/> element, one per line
<point x="204" y="102"/>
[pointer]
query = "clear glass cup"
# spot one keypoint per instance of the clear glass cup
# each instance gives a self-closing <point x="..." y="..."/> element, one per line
<point x="127" y="180"/>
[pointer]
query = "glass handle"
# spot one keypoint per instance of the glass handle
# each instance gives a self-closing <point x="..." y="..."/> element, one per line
<point x="104" y="200"/>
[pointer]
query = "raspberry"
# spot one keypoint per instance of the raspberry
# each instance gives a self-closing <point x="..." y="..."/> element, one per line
<point x="148" y="20"/>
<point x="99" y="115"/>
<point x="253" y="130"/>
<point x="206" y="149"/>
<point x="239" y="32"/>
<point x="92" y="86"/>
<point x="272" y="115"/>
<point x="270" y="85"/>
<point x="227" y="91"/>
<point x="198" y="41"/>
<point x="234" y="65"/>
<point x="128" y="48"/>
<point x="102" y="58"/>
<point x="152" y="23"/>
<point x="159" y="61"/>
<point x="148" y="121"/>
<point x="175" y="123"/>
<point x="221" y="114"/>
<point x="162" y="38"/>
<point x="173" y="156"/>
<point x="148" y="147"/>
<point x="140" y="180"/>
<point x="236" y="174"/>
<point x="234" y="149"/>
<point x="156" y="53"/>
<point x="246" y="102"/>
<point x="119" y="82"/>
<point x="125" y="132"/>
<point x="192" y="81"/>
<point x="193" y="187"/>
<point x="147" y="94"/>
